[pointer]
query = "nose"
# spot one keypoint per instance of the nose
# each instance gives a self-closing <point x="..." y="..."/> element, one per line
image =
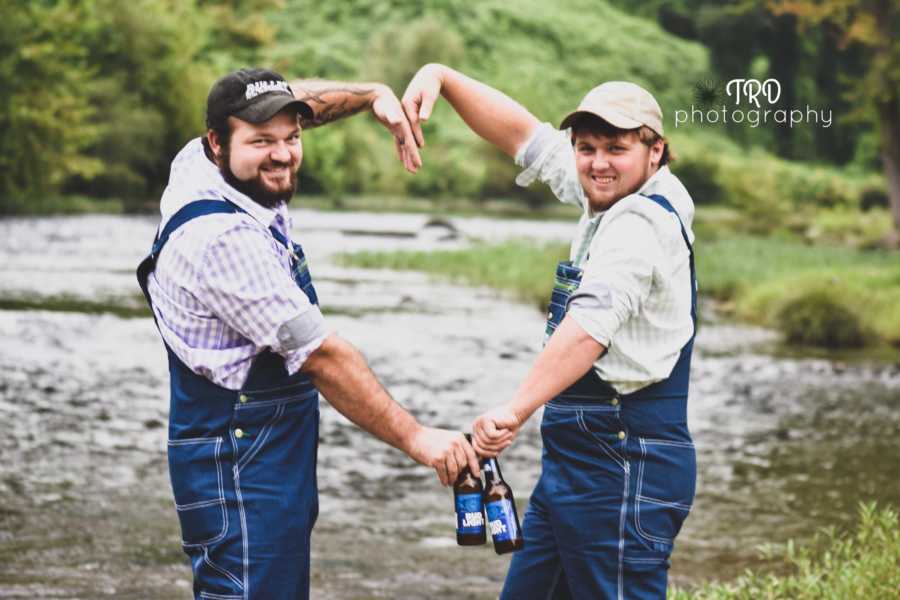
<point x="600" y="161"/>
<point x="281" y="153"/>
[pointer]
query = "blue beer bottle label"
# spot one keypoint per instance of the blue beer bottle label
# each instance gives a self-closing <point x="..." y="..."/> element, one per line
<point x="469" y="516"/>
<point x="502" y="520"/>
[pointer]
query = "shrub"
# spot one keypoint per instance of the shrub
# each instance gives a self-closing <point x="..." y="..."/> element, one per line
<point x="820" y="318"/>
<point x="862" y="565"/>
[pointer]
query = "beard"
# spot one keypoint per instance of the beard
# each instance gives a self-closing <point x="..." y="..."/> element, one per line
<point x="255" y="188"/>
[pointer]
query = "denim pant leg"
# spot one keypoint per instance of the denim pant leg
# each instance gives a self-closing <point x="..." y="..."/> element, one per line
<point x="535" y="572"/>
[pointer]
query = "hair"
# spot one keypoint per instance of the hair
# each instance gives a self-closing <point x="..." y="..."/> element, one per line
<point x="223" y="134"/>
<point x="594" y="125"/>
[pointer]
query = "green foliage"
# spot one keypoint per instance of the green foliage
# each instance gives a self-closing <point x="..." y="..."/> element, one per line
<point x="820" y="317"/>
<point x="757" y="277"/>
<point x="547" y="57"/>
<point x="861" y="565"/>
<point x="45" y="115"/>
<point x="99" y="94"/>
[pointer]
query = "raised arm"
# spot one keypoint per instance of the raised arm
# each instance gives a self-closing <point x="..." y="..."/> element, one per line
<point x="333" y="100"/>
<point x="488" y="112"/>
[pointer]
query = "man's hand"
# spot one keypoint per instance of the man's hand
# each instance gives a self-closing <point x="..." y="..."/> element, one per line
<point x="387" y="109"/>
<point x="493" y="431"/>
<point x="421" y="94"/>
<point x="447" y="452"/>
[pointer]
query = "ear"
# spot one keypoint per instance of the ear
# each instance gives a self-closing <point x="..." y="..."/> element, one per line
<point x="214" y="143"/>
<point x="656" y="152"/>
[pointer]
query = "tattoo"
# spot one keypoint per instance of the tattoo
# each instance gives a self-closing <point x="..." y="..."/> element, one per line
<point x="330" y="102"/>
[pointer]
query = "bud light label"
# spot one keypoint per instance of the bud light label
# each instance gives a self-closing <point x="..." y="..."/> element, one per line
<point x="469" y="516"/>
<point x="501" y="520"/>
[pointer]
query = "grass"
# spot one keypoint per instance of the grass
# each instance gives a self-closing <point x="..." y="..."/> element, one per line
<point x="66" y="303"/>
<point x="758" y="280"/>
<point x="520" y="268"/>
<point x="862" y="565"/>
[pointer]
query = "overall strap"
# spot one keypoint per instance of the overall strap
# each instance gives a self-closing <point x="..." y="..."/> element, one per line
<point x="189" y="212"/>
<point x="186" y="213"/>
<point x="661" y="200"/>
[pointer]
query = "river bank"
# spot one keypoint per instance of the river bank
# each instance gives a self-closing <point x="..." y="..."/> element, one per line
<point x="819" y="296"/>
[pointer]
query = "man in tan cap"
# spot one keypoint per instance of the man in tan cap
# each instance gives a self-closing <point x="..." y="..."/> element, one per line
<point x="618" y="467"/>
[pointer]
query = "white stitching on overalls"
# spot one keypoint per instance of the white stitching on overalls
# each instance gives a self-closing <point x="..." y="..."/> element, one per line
<point x="260" y="440"/>
<point x="623" y="517"/>
<point x="219" y="596"/>
<point x="240" y="502"/>
<point x="638" y="496"/>
<point x="221" y="570"/>
<point x="620" y="460"/>
<point x="220" y="500"/>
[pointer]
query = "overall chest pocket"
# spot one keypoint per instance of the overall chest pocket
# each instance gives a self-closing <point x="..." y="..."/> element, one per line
<point x="195" y="468"/>
<point x="666" y="480"/>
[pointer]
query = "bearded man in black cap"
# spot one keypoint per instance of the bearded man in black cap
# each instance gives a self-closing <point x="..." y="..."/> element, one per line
<point x="248" y="348"/>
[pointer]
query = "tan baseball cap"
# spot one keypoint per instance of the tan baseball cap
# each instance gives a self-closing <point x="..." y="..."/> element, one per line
<point x="622" y="104"/>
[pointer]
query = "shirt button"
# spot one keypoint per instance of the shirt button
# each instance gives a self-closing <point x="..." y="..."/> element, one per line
<point x="242" y="398"/>
<point x="621" y="435"/>
<point x="238" y="433"/>
<point x="549" y="315"/>
<point x="614" y="401"/>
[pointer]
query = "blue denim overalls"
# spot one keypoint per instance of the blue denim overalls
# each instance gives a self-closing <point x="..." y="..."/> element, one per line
<point x="617" y="481"/>
<point x="243" y="463"/>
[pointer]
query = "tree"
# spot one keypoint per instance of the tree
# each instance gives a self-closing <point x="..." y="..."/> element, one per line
<point x="45" y="115"/>
<point x="872" y="26"/>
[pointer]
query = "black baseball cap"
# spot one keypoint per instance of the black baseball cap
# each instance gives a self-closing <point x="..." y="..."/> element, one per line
<point x="252" y="95"/>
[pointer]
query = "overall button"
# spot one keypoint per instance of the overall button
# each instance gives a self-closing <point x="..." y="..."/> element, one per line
<point x="238" y="433"/>
<point x="621" y="435"/>
<point x="614" y="401"/>
<point x="243" y="398"/>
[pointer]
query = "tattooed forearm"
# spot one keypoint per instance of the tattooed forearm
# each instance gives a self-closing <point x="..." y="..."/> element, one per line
<point x="331" y="100"/>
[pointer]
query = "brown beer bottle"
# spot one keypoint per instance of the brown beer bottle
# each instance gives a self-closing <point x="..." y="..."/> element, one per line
<point x="467" y="496"/>
<point x="501" y="509"/>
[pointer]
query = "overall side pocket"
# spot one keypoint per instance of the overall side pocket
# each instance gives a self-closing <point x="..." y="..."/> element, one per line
<point x="667" y="473"/>
<point x="195" y="469"/>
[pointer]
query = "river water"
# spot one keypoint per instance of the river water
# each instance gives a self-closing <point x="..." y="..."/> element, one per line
<point x="786" y="446"/>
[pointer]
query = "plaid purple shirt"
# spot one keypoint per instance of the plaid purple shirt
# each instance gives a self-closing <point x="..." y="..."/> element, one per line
<point x="222" y="288"/>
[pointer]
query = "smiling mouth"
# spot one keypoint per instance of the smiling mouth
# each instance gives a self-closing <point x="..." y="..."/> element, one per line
<point x="604" y="180"/>
<point x="275" y="170"/>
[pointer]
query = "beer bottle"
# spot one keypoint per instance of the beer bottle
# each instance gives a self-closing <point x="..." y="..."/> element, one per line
<point x="501" y="509"/>
<point x="467" y="496"/>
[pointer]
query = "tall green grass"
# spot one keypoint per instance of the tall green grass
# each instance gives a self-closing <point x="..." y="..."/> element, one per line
<point x="861" y="565"/>
<point x="766" y="281"/>
<point x="522" y="269"/>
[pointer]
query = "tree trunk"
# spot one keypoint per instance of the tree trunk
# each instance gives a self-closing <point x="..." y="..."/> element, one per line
<point x="889" y="127"/>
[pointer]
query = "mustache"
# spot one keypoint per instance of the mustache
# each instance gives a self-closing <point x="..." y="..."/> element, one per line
<point x="277" y="164"/>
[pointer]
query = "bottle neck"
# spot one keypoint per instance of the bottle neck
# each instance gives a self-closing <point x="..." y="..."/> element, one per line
<point x="492" y="470"/>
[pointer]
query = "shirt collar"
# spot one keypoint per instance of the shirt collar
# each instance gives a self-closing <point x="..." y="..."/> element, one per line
<point x="654" y="180"/>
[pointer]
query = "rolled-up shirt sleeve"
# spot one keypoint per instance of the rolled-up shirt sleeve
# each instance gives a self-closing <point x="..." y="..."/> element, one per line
<point x="244" y="282"/>
<point x="548" y="156"/>
<point x="617" y="276"/>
